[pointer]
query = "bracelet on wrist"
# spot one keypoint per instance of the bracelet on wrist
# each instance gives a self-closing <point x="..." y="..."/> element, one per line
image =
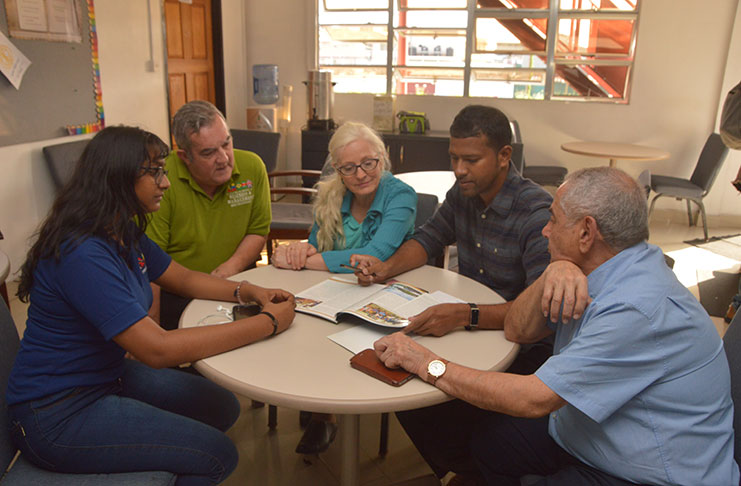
<point x="237" y="291"/>
<point x="273" y="319"/>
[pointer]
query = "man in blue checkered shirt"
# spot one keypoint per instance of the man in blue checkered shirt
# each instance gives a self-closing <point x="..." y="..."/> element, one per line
<point x="492" y="213"/>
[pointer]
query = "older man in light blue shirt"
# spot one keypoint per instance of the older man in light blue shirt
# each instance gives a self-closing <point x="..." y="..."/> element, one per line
<point x="638" y="388"/>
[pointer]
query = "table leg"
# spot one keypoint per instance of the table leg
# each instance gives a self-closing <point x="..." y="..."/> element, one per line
<point x="349" y="436"/>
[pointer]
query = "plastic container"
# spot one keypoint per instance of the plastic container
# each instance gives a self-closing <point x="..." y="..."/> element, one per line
<point x="265" y="83"/>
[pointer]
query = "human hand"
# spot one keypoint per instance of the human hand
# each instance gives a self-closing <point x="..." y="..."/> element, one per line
<point x="284" y="312"/>
<point x="297" y="253"/>
<point x="369" y="269"/>
<point x="438" y="320"/>
<point x="564" y="284"/>
<point x="265" y="296"/>
<point x="398" y="350"/>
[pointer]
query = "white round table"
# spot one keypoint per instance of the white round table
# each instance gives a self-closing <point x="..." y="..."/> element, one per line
<point x="302" y="369"/>
<point x="615" y="151"/>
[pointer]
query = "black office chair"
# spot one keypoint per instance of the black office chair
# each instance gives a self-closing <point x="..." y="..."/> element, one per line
<point x="61" y="160"/>
<point x="264" y="144"/>
<point x="695" y="188"/>
<point x="545" y="175"/>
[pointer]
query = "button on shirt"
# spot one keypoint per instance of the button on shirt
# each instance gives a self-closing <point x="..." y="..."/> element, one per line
<point x="499" y="245"/>
<point x="645" y="377"/>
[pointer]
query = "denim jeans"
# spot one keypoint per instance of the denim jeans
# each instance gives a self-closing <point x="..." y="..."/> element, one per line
<point x="149" y="420"/>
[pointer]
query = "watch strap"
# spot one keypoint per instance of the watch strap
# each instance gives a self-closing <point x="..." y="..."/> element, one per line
<point x="474" y="322"/>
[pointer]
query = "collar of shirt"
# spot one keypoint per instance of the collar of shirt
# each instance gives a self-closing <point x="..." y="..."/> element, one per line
<point x="502" y="203"/>
<point x="376" y="205"/>
<point x="607" y="271"/>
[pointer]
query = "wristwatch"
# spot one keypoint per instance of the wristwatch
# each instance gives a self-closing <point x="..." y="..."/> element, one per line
<point x="474" y="317"/>
<point x="435" y="369"/>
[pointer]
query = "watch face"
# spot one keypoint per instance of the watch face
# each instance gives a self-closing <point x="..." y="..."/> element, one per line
<point x="436" y="368"/>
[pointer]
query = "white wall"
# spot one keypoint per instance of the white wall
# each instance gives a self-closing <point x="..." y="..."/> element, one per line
<point x="683" y="69"/>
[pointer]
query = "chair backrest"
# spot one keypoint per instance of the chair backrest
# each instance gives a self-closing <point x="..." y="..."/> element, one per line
<point x="732" y="345"/>
<point x="518" y="156"/>
<point x="708" y="165"/>
<point x="426" y="206"/>
<point x="264" y="144"/>
<point x="9" y="343"/>
<point x="61" y="160"/>
<point x="516" y="134"/>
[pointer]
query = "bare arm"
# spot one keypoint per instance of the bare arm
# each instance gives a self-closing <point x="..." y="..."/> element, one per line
<point x="409" y="256"/>
<point x="247" y="253"/>
<point x="440" y="319"/>
<point x="517" y="395"/>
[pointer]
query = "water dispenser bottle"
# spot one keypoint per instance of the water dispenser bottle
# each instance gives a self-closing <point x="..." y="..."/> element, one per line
<point x="265" y="83"/>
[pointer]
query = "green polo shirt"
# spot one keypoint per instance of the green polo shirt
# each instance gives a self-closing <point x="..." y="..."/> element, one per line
<point x="201" y="233"/>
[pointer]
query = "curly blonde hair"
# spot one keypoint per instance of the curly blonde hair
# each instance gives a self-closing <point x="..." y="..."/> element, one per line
<point x="331" y="190"/>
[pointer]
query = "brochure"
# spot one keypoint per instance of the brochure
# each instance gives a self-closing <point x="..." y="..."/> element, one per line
<point x="390" y="305"/>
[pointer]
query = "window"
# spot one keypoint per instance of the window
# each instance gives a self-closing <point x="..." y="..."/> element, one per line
<point x="518" y="49"/>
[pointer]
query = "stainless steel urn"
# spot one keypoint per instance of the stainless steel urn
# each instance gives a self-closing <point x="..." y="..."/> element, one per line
<point x="320" y="97"/>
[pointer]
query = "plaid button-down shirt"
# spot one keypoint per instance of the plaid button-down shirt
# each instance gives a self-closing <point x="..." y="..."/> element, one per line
<point x="499" y="245"/>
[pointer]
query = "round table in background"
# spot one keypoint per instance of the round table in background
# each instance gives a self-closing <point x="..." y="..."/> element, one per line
<point x="615" y="151"/>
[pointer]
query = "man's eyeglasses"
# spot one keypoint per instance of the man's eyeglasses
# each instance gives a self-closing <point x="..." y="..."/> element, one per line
<point x="157" y="172"/>
<point x="350" y="169"/>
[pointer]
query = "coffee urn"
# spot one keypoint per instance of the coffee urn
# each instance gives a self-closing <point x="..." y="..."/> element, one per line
<point x="320" y="97"/>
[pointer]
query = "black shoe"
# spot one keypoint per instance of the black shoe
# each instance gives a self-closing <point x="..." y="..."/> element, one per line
<point x="319" y="434"/>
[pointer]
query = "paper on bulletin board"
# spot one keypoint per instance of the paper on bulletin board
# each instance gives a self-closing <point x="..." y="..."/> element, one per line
<point x="51" y="20"/>
<point x="13" y="63"/>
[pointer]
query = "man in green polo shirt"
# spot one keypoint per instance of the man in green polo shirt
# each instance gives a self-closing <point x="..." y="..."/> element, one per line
<point x="215" y="216"/>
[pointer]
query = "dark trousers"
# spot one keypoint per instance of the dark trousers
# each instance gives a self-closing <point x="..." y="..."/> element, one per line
<point x="171" y="307"/>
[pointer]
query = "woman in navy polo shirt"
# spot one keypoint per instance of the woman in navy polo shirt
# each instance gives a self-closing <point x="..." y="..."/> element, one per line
<point x="76" y="403"/>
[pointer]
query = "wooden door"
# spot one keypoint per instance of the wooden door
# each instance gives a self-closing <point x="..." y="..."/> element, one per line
<point x="190" y="52"/>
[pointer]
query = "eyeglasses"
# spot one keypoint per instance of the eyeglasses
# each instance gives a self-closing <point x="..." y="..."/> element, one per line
<point x="157" y="172"/>
<point x="350" y="169"/>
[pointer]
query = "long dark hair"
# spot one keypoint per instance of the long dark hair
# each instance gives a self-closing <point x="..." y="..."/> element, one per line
<point x="100" y="198"/>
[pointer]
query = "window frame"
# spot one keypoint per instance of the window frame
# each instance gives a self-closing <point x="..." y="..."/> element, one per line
<point x="553" y="15"/>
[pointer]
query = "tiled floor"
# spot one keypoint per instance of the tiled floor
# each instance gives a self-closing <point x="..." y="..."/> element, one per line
<point x="268" y="458"/>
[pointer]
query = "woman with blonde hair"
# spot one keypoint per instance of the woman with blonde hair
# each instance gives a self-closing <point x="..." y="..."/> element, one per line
<point x="359" y="208"/>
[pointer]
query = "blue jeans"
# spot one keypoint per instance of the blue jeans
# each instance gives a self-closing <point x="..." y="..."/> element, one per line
<point x="148" y="420"/>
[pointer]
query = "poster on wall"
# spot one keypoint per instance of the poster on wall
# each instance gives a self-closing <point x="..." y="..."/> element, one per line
<point x="13" y="63"/>
<point x="50" y="20"/>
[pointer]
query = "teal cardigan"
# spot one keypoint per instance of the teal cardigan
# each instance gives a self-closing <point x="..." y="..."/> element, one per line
<point x="388" y="223"/>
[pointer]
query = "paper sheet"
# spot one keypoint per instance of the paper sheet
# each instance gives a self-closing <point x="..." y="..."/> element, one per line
<point x="13" y="63"/>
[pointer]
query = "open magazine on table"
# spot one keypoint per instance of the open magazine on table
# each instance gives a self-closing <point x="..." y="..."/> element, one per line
<point x="389" y="305"/>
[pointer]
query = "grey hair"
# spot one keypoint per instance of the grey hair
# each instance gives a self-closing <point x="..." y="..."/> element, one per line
<point x="190" y="118"/>
<point x="613" y="199"/>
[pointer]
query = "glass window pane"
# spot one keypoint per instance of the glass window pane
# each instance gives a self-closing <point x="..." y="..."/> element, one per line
<point x="593" y="36"/>
<point x="623" y="5"/>
<point x="512" y="4"/>
<point x="353" y="4"/>
<point x="607" y="82"/>
<point x="427" y="4"/>
<point x="420" y="81"/>
<point x="357" y="18"/>
<point x="358" y="79"/>
<point x="507" y="61"/>
<point x="344" y="45"/>
<point x="494" y="35"/>
<point x="432" y="18"/>
<point x="427" y="48"/>
<point x="510" y="84"/>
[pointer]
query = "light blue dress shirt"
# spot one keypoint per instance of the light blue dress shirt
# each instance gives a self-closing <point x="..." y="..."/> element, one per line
<point x="388" y="223"/>
<point x="645" y="377"/>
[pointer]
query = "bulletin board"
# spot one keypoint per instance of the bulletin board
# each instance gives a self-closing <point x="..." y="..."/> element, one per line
<point x="60" y="93"/>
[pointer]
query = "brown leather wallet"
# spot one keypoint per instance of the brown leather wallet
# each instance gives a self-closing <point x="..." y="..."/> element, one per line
<point x="367" y="362"/>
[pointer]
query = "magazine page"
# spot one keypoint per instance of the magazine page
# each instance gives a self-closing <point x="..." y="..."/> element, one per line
<point x="396" y="303"/>
<point x="332" y="296"/>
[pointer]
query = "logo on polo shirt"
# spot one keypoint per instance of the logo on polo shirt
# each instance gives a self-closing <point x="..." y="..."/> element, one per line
<point x="142" y="263"/>
<point x="240" y="193"/>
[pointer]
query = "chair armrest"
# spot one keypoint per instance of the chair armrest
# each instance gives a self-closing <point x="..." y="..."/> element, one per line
<point x="307" y="191"/>
<point x="306" y="173"/>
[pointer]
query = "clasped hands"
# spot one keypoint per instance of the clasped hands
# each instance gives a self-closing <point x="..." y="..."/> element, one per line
<point x="278" y="302"/>
<point x="293" y="255"/>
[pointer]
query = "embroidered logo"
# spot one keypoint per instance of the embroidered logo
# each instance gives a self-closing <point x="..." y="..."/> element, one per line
<point x="142" y="263"/>
<point x="240" y="193"/>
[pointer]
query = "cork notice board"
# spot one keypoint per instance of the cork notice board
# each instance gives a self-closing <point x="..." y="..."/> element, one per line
<point x="60" y="93"/>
